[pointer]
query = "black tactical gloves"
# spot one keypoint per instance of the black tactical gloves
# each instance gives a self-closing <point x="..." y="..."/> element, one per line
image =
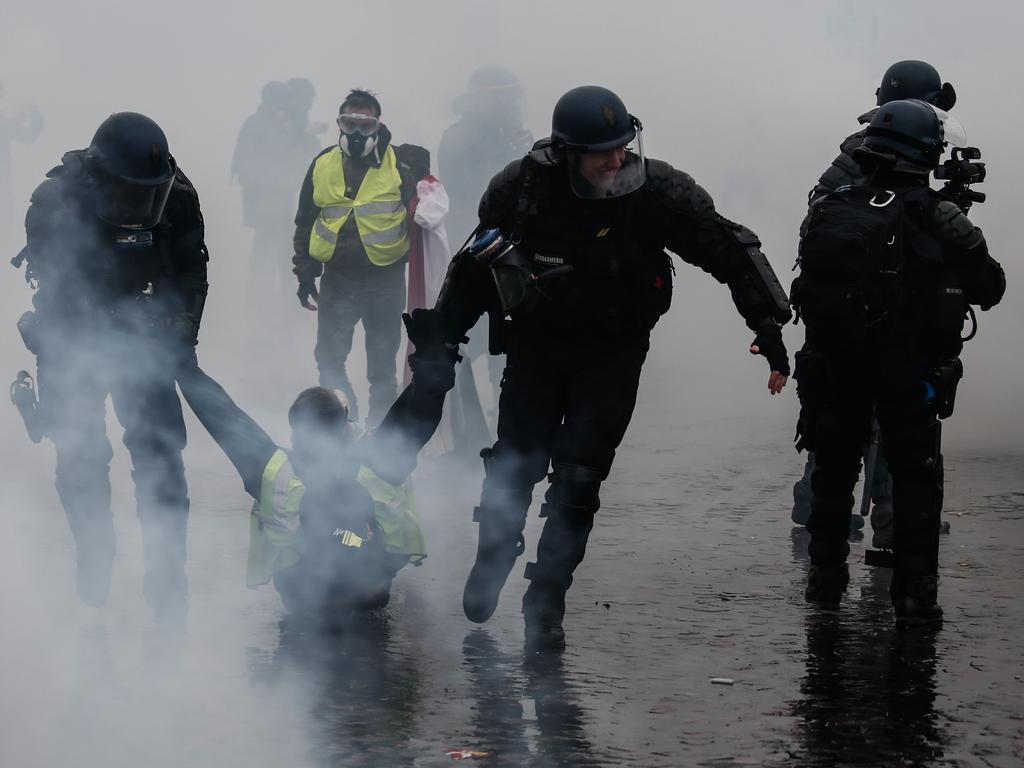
<point x="433" y="361"/>
<point x="769" y="343"/>
<point x="307" y="290"/>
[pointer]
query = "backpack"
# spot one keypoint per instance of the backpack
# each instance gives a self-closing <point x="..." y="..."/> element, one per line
<point x="851" y="260"/>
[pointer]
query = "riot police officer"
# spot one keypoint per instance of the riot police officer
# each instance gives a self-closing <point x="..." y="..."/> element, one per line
<point x="887" y="273"/>
<point x="115" y="249"/>
<point x="571" y="267"/>
<point x="909" y="79"/>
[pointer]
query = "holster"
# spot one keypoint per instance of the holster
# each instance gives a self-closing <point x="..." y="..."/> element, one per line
<point x="498" y="331"/>
<point x="28" y="327"/>
<point x="23" y="395"/>
<point x="944" y="380"/>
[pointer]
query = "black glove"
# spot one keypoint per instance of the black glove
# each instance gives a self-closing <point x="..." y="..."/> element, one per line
<point x="769" y="342"/>
<point x="306" y="292"/>
<point x="433" y="361"/>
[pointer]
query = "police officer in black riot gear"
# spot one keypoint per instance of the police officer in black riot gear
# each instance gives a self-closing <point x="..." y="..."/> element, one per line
<point x="909" y="79"/>
<point x="571" y="266"/>
<point x="884" y="318"/>
<point x="115" y="249"/>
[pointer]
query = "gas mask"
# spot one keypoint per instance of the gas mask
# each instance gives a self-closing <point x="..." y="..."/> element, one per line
<point x="358" y="136"/>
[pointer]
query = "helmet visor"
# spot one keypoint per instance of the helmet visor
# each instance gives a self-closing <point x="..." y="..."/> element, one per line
<point x="606" y="174"/>
<point x="953" y="132"/>
<point x="357" y="123"/>
<point x="132" y="206"/>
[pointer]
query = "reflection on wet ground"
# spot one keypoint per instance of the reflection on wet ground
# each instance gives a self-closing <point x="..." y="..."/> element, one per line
<point x="694" y="573"/>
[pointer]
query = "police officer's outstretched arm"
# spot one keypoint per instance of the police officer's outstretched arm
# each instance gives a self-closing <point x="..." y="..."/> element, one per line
<point x="731" y="254"/>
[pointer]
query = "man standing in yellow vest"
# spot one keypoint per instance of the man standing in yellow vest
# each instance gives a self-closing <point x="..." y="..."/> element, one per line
<point x="352" y="228"/>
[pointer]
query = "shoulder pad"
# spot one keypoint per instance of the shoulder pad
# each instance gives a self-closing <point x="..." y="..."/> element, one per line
<point x="543" y="152"/>
<point x="678" y="189"/>
<point x="953" y="225"/>
<point x="499" y="199"/>
<point x="72" y="162"/>
<point x="49" y="192"/>
<point x="851" y="142"/>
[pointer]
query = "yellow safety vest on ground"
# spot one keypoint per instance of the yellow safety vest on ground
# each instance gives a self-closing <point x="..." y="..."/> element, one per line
<point x="380" y="213"/>
<point x="274" y="525"/>
<point x="394" y="507"/>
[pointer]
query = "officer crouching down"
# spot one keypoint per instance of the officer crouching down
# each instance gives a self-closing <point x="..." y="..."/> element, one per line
<point x="115" y="250"/>
<point x="888" y="272"/>
<point x="571" y="265"/>
<point x="333" y="521"/>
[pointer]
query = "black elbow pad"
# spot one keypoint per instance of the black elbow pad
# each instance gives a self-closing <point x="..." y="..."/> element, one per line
<point x="760" y="277"/>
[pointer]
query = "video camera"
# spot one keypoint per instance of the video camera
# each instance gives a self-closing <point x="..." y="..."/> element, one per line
<point x="959" y="172"/>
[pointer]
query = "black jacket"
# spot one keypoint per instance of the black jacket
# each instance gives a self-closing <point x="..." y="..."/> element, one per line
<point x="622" y="278"/>
<point x="349" y="255"/>
<point x="90" y="276"/>
<point x="946" y="267"/>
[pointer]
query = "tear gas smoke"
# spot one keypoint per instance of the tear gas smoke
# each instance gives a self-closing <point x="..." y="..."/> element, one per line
<point x="750" y="98"/>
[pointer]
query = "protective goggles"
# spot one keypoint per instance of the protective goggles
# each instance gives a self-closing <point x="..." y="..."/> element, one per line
<point x="365" y="125"/>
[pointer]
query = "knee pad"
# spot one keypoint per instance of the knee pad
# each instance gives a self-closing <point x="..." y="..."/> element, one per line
<point x="574" y="487"/>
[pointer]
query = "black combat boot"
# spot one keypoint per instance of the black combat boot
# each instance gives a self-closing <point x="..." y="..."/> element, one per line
<point x="502" y="517"/>
<point x="826" y="586"/>
<point x="498" y="548"/>
<point x="543" y="612"/>
<point x="562" y="546"/>
<point x="828" y="575"/>
<point x="915" y="600"/>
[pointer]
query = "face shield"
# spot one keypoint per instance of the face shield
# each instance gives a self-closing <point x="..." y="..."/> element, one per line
<point x="609" y="173"/>
<point x="131" y="206"/>
<point x="953" y="133"/>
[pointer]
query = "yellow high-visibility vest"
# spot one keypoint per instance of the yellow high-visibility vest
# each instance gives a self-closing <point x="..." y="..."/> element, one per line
<point x="394" y="507"/>
<point x="381" y="216"/>
<point x="274" y="540"/>
<point x="274" y="523"/>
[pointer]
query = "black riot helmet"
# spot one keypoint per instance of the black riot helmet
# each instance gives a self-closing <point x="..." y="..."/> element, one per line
<point x="912" y="79"/>
<point x="132" y="170"/>
<point x="589" y="121"/>
<point x="913" y="133"/>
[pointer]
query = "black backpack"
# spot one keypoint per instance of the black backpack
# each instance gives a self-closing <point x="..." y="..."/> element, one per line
<point x="851" y="260"/>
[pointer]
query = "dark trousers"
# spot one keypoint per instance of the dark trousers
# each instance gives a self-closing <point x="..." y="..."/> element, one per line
<point x="567" y="407"/>
<point x="376" y="299"/>
<point x="838" y="394"/>
<point x="74" y="381"/>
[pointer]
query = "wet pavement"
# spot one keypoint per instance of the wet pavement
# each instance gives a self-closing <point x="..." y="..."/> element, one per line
<point x="694" y="572"/>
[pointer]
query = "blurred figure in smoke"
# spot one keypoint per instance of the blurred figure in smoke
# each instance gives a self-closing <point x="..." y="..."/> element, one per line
<point x="903" y="80"/>
<point x="273" y="148"/>
<point x="888" y="272"/>
<point x="24" y="127"/>
<point x="332" y="523"/>
<point x="571" y="247"/>
<point x="116" y="252"/>
<point x="489" y="135"/>
<point x="352" y="227"/>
